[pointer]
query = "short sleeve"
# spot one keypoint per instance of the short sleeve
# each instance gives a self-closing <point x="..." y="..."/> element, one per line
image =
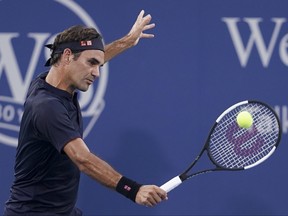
<point x="53" y="123"/>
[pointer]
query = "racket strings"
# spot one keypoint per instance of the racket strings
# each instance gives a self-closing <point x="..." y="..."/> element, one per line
<point x="233" y="147"/>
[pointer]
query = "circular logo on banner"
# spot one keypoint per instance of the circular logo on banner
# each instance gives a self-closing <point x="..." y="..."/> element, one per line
<point x="22" y="56"/>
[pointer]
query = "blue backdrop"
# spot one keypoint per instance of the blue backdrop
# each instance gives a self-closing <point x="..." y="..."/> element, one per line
<point x="151" y="110"/>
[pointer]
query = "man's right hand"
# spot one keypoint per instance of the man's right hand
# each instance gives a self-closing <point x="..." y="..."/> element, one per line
<point x="150" y="195"/>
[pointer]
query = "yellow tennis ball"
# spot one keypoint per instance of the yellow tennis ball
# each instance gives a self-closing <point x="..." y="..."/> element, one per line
<point x="244" y="119"/>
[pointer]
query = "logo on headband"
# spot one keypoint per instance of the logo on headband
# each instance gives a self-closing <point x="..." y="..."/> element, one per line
<point x="86" y="43"/>
<point x="22" y="55"/>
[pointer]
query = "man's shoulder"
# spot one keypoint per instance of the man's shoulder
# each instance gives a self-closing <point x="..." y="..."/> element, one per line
<point x="40" y="92"/>
<point x="42" y="100"/>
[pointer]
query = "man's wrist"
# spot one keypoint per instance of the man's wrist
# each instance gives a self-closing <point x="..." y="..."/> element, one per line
<point x="128" y="40"/>
<point x="128" y="188"/>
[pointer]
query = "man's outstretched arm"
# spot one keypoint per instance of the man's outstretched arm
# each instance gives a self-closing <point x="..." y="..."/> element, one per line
<point x="102" y="172"/>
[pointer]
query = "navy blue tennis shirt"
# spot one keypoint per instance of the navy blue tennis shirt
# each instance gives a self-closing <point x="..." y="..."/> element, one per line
<point x="46" y="180"/>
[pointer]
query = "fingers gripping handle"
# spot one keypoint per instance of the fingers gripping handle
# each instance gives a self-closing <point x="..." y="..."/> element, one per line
<point x="173" y="183"/>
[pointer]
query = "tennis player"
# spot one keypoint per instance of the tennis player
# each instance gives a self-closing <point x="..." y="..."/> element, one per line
<point x="51" y="152"/>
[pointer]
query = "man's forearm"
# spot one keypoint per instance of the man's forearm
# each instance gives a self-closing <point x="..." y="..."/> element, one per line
<point x="116" y="47"/>
<point x="100" y="171"/>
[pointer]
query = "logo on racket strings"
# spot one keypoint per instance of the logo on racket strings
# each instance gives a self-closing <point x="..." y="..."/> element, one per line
<point x="251" y="141"/>
<point x="239" y="141"/>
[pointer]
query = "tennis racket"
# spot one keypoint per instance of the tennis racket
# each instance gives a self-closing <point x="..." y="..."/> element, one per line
<point x="232" y="148"/>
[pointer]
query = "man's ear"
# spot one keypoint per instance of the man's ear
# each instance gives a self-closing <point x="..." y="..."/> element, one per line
<point x="67" y="55"/>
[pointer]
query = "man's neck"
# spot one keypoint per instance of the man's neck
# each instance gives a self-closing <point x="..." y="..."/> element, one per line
<point x="56" y="78"/>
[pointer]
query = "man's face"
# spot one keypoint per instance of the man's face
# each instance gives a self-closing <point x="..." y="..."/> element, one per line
<point x="84" y="70"/>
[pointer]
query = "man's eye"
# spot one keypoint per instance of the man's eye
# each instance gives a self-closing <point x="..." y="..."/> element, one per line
<point x="93" y="62"/>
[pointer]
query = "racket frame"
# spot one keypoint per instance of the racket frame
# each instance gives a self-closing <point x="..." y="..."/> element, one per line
<point x="177" y="180"/>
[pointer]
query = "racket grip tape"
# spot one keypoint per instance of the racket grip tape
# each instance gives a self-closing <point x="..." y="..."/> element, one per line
<point x="171" y="184"/>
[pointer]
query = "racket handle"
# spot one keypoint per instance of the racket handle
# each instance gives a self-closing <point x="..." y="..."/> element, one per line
<point x="171" y="184"/>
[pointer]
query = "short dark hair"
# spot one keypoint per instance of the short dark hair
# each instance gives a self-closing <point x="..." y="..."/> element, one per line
<point x="74" y="33"/>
